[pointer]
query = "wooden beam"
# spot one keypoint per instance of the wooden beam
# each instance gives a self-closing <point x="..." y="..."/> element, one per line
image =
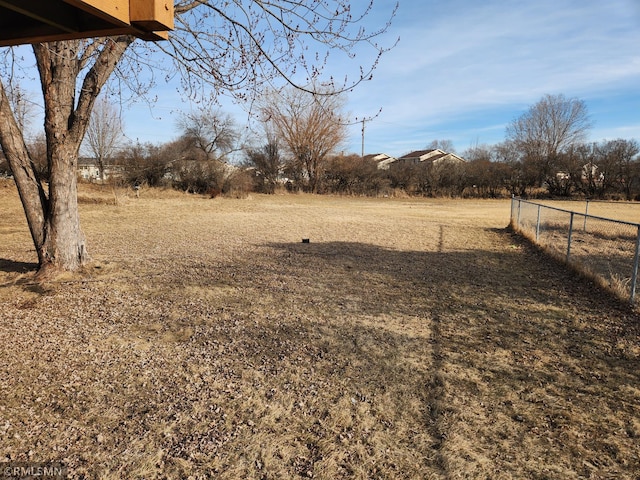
<point x="32" y="21"/>
<point x="42" y="36"/>
<point x="116" y="11"/>
<point x="152" y="15"/>
<point x="58" y="16"/>
<point x="152" y="36"/>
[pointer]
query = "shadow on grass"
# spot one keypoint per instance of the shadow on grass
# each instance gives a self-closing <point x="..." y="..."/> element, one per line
<point x="11" y="266"/>
<point x="350" y="360"/>
<point x="521" y="351"/>
<point x="516" y="272"/>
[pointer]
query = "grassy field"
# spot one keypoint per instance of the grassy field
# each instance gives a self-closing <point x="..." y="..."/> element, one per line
<point x="410" y="339"/>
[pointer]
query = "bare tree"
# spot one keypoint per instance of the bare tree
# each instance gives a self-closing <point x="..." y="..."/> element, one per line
<point x="237" y="48"/>
<point x="104" y="134"/>
<point x="521" y="176"/>
<point x="38" y="150"/>
<point x="623" y="155"/>
<point x="355" y="175"/>
<point x="145" y="164"/>
<point x="213" y="133"/>
<point x="22" y="106"/>
<point x="444" y="145"/>
<point x="586" y="177"/>
<point x="23" y="110"/>
<point x="480" y="170"/>
<point x="310" y="125"/>
<point x="267" y="164"/>
<point x="548" y="129"/>
<point x="243" y="49"/>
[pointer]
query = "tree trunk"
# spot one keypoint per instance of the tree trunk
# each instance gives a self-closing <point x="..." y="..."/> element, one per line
<point x="53" y="220"/>
<point x="64" y="246"/>
<point x="52" y="214"/>
<point x="64" y="243"/>
<point x="32" y="194"/>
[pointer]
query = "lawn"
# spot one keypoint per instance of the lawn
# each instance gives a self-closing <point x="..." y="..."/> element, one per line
<point x="410" y="338"/>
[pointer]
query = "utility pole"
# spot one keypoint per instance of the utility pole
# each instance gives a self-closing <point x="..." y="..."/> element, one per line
<point x="363" y="120"/>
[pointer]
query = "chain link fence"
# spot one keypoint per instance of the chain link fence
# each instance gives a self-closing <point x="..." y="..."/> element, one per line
<point x="601" y="247"/>
<point x="623" y="210"/>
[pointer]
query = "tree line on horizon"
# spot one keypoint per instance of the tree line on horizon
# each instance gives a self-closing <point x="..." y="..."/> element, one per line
<point x="220" y="49"/>
<point x="544" y="153"/>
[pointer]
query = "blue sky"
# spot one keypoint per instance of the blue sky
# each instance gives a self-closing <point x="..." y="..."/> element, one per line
<point x="464" y="69"/>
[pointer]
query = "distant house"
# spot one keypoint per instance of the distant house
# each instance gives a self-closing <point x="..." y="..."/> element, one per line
<point x="434" y="156"/>
<point x="88" y="170"/>
<point x="592" y="174"/>
<point x="382" y="159"/>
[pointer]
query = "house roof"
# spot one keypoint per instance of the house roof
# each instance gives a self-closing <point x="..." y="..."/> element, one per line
<point x="93" y="162"/>
<point x="453" y="157"/>
<point x="422" y="154"/>
<point x="377" y="157"/>
<point x="434" y="155"/>
<point x="382" y="159"/>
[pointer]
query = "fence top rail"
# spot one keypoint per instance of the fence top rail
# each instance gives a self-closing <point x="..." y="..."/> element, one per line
<point x="611" y="202"/>
<point x="622" y="222"/>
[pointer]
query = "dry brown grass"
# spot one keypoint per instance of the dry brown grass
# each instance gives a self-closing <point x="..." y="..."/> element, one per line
<point x="620" y="210"/>
<point x="408" y="339"/>
<point x="601" y="248"/>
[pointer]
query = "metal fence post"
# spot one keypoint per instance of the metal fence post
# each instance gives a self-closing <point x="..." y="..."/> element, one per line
<point x="634" y="274"/>
<point x="513" y="206"/>
<point x="570" y="235"/>
<point x="586" y="212"/>
<point x="585" y="252"/>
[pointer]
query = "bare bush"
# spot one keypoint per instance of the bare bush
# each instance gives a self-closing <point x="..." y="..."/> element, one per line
<point x="354" y="175"/>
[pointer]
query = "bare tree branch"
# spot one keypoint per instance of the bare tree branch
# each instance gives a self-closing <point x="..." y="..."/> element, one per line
<point x="310" y="126"/>
<point x="251" y="44"/>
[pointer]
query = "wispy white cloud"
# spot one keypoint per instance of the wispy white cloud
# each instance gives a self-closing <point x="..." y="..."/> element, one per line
<point x="623" y="131"/>
<point x="497" y="57"/>
<point x="463" y="69"/>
